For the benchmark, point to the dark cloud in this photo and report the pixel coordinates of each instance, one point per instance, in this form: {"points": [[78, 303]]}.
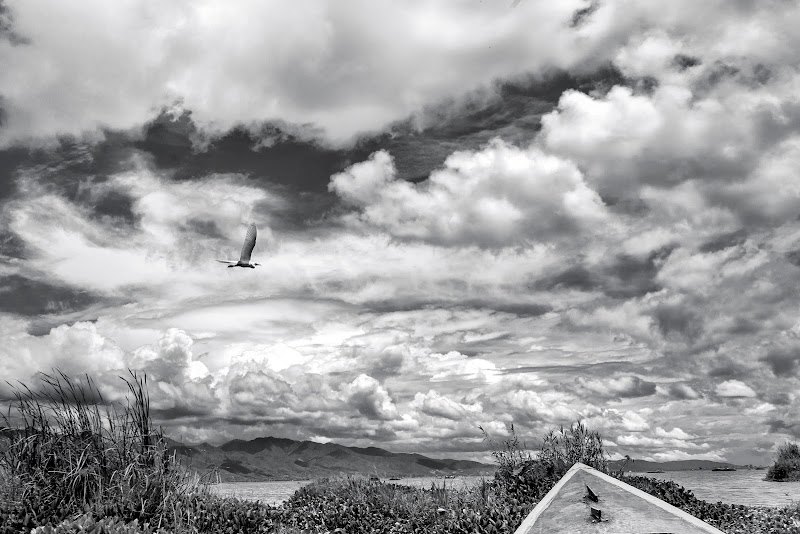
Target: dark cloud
{"points": [[637, 388], [178, 412], [11, 245], [678, 321], [387, 363], [783, 361], [793, 256], [630, 386], [576, 277], [74, 170], [723, 241], [512, 109], [115, 204], [683, 62], [743, 326], [7, 31], [25, 296], [630, 276], [780, 426], [718, 72], [582, 15], [295, 163], [10, 160], [624, 277], [778, 398], [726, 367], [682, 392]]}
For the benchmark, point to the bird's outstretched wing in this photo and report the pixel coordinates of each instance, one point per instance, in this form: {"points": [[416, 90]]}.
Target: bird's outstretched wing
{"points": [[249, 244], [226, 261]]}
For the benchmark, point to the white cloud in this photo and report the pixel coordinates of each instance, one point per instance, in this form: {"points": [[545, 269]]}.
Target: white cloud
{"points": [[675, 433], [170, 359], [611, 420], [677, 455], [454, 365], [437, 405], [343, 67], [75, 350], [498, 196], [734, 388]]}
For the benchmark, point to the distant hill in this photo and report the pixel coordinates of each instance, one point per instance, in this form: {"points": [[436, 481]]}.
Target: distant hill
{"points": [[643, 466], [271, 458]]}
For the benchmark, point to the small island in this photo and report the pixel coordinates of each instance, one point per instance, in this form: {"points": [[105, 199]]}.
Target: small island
{"points": [[787, 467]]}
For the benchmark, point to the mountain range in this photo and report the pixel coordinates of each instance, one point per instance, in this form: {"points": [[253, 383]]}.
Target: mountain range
{"points": [[271, 458]]}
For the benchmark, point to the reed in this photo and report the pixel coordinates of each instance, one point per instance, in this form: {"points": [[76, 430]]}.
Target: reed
{"points": [[65, 451]]}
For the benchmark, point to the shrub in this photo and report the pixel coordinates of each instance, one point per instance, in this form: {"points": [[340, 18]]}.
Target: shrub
{"points": [[528, 478], [787, 465], [65, 452]]}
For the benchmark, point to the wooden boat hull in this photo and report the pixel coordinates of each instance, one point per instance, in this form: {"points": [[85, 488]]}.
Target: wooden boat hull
{"points": [[619, 508]]}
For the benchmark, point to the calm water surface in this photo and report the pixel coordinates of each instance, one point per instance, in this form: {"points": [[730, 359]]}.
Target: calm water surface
{"points": [[737, 487]]}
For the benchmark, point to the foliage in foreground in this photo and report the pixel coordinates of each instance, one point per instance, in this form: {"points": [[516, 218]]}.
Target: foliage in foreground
{"points": [[787, 466], [525, 476], [528, 477], [68, 466], [64, 452]]}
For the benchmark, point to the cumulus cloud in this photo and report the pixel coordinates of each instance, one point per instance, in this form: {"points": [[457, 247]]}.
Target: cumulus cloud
{"points": [[499, 196], [370, 398], [434, 404], [734, 388], [170, 360], [75, 350]]}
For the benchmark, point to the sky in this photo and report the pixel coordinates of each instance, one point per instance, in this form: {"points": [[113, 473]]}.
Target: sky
{"points": [[470, 215]]}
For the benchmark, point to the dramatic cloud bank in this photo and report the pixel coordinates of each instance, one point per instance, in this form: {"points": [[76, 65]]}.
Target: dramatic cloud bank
{"points": [[469, 216]]}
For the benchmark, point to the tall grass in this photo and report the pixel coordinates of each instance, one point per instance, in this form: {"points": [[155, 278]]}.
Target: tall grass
{"points": [[563, 448], [65, 452]]}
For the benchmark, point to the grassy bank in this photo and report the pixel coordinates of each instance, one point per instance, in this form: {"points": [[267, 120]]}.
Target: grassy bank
{"points": [[70, 462]]}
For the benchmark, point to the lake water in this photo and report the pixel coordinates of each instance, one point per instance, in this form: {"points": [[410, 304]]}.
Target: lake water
{"points": [[737, 487]]}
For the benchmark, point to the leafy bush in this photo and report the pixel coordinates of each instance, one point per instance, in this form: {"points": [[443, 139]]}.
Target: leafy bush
{"points": [[787, 465], [356, 505], [86, 523], [528, 478]]}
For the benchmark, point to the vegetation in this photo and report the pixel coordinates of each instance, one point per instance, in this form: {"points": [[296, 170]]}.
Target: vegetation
{"points": [[71, 463], [787, 466], [529, 477], [64, 452]]}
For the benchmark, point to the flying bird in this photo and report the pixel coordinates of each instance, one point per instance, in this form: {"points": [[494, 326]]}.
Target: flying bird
{"points": [[247, 250]]}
